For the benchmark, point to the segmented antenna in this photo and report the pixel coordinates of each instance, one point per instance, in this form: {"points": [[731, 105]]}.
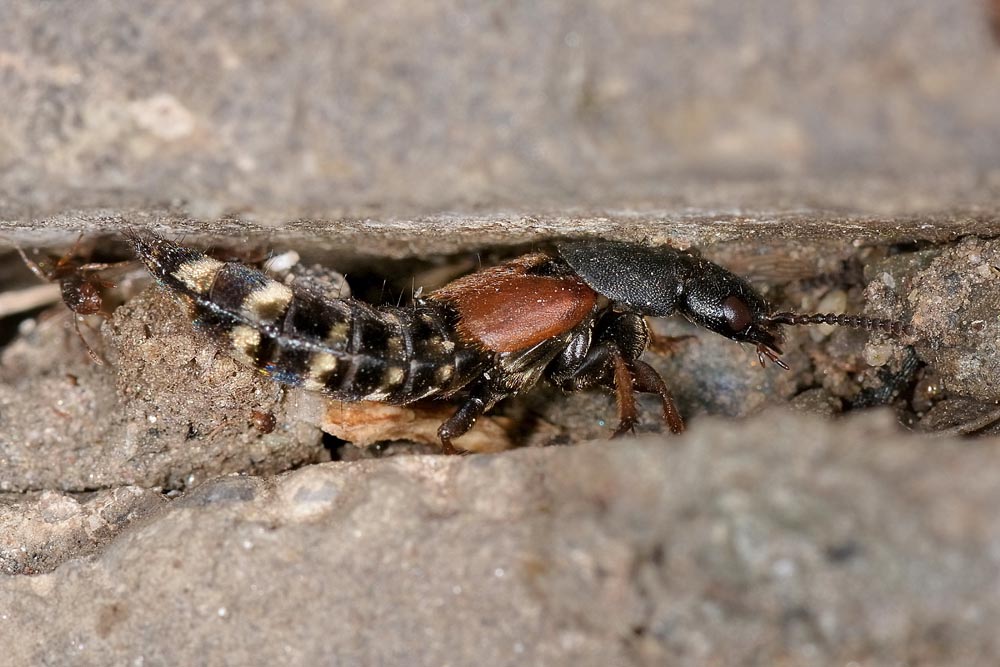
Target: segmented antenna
{"points": [[892, 327]]}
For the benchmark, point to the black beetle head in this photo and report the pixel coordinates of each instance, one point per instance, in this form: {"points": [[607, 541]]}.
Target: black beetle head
{"points": [[661, 281], [726, 304]]}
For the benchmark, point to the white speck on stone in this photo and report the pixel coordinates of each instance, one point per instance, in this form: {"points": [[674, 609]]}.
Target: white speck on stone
{"points": [[834, 301], [888, 280], [784, 568], [247, 544], [151, 419], [570, 640], [245, 163], [456, 589], [163, 116], [309, 493], [498, 573], [282, 262], [223, 612], [877, 355]]}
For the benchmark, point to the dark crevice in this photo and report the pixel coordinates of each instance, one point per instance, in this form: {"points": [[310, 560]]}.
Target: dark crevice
{"points": [[335, 446]]}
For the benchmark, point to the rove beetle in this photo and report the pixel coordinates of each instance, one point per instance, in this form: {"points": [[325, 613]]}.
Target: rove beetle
{"points": [[575, 317]]}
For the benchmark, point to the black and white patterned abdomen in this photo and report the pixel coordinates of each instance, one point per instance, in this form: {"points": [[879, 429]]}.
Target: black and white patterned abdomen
{"points": [[341, 347]]}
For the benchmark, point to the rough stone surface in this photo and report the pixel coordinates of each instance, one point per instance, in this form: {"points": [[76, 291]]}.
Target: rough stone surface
{"points": [[166, 410], [721, 547], [950, 295], [955, 303], [425, 104], [503, 123], [41, 530]]}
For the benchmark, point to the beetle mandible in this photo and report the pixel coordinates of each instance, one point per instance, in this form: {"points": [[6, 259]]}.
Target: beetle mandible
{"points": [[575, 317]]}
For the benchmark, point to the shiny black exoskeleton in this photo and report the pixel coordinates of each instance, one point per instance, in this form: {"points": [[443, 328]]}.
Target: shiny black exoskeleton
{"points": [[662, 281]]}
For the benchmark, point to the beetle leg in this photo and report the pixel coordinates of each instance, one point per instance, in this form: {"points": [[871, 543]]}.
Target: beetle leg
{"points": [[606, 366], [66, 261], [93, 355], [595, 371], [463, 419], [624, 381], [33, 265], [572, 358], [647, 380], [94, 267], [628, 331]]}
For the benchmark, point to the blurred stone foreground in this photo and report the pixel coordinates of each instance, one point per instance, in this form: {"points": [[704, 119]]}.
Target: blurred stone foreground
{"points": [[400, 129]]}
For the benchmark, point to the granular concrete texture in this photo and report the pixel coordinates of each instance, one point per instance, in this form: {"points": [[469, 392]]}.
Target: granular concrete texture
{"points": [[517, 120], [950, 296], [955, 309], [166, 410], [748, 546], [42, 530], [317, 106]]}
